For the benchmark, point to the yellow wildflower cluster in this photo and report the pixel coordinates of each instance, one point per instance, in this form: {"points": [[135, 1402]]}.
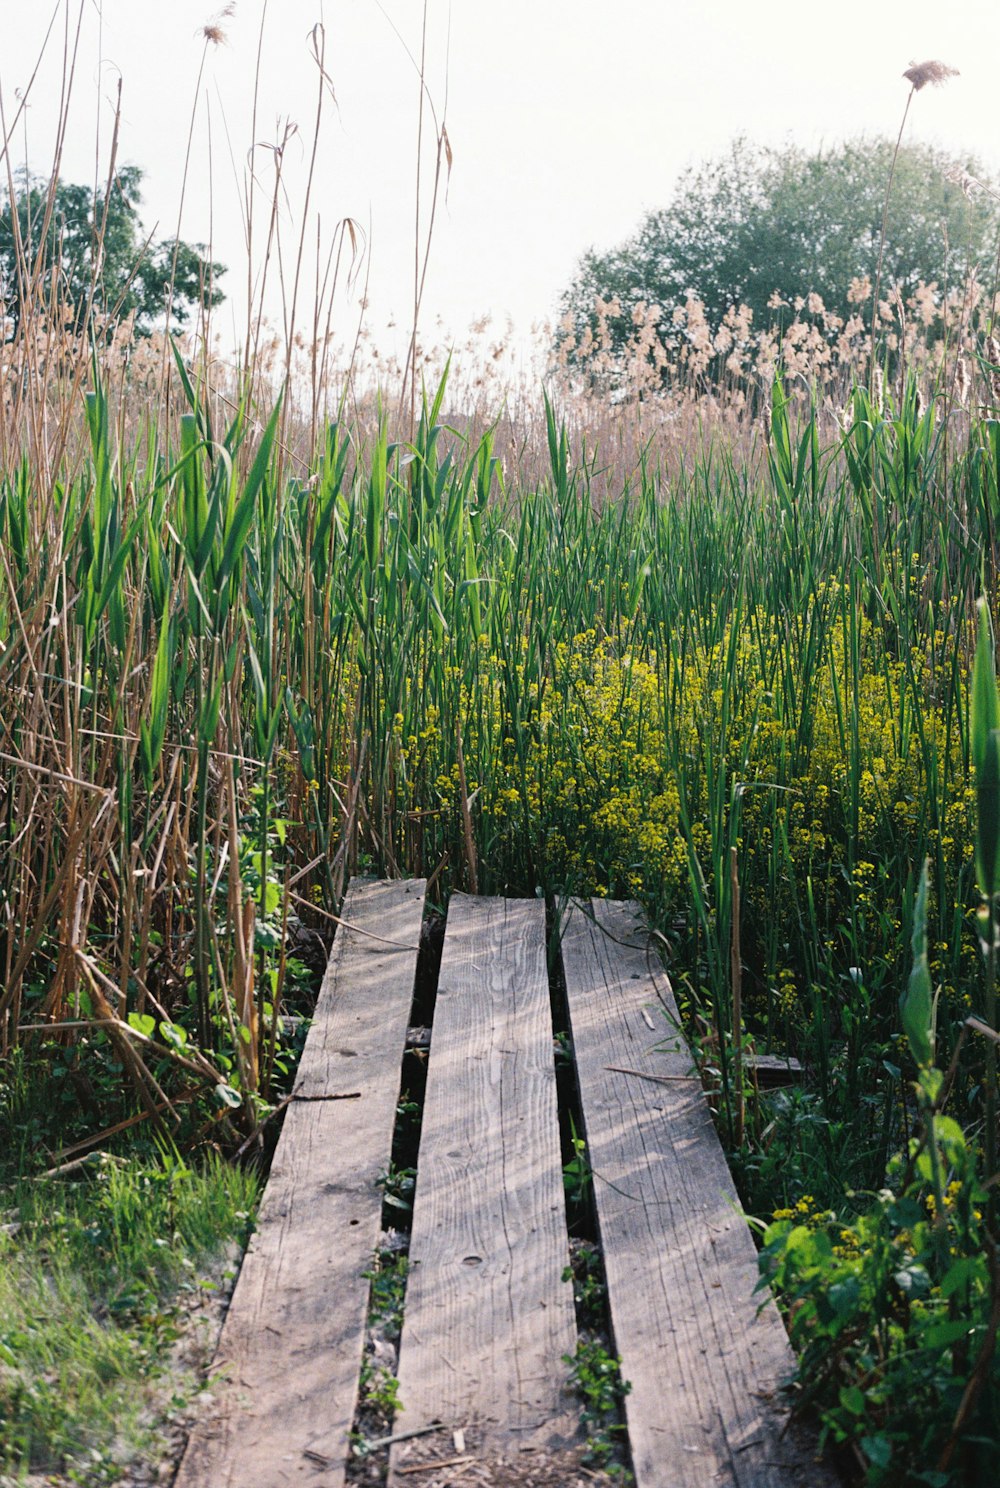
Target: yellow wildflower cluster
{"points": [[804, 1212], [610, 769]]}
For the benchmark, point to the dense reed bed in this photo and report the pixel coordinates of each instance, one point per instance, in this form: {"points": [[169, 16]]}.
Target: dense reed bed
{"points": [[699, 631], [227, 685], [230, 680]]}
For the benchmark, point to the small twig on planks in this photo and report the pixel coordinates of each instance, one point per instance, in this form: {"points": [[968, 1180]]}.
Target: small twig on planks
{"points": [[418, 1467], [261, 1125], [348, 925], [618, 1069], [400, 1436]]}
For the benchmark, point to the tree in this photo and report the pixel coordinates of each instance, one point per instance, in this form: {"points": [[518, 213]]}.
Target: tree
{"points": [[65, 247], [763, 225]]}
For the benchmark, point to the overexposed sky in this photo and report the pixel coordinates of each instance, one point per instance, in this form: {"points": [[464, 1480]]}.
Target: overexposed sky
{"points": [[567, 118]]}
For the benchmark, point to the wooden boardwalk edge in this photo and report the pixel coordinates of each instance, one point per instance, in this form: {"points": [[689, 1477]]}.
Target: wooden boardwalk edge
{"points": [[289, 1357], [704, 1360]]}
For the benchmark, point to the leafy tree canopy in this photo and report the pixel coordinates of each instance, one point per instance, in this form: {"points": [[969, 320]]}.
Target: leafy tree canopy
{"points": [[60, 246], [761, 224]]}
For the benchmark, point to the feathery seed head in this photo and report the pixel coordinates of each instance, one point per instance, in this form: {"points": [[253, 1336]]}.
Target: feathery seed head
{"points": [[993, 357], [959, 176], [919, 74], [962, 380], [212, 31]]}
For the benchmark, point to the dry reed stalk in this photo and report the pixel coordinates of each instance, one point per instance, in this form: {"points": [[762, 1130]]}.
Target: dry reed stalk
{"points": [[242, 919], [918, 74], [736, 974], [144, 1083], [467, 828]]}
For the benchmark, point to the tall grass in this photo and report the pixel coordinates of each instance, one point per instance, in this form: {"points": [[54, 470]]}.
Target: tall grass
{"points": [[90, 1317], [228, 684], [710, 648]]}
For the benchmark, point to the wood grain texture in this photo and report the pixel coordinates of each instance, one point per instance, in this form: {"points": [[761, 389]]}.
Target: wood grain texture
{"points": [[289, 1356], [373, 952], [487, 1317], [704, 1366]]}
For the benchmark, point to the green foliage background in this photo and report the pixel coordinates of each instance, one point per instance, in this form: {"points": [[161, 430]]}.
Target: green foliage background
{"points": [[760, 220], [49, 241]]}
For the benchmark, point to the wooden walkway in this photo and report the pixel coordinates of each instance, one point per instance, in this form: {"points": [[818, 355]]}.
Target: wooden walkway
{"points": [[488, 1319]]}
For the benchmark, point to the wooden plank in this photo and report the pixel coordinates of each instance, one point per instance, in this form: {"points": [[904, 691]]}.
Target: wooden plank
{"points": [[487, 1317], [290, 1351], [374, 952], [681, 1265]]}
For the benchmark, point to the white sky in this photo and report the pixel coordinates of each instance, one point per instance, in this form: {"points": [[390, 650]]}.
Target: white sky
{"points": [[567, 118]]}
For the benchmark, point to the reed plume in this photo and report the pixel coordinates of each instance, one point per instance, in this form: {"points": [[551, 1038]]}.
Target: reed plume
{"points": [[918, 75]]}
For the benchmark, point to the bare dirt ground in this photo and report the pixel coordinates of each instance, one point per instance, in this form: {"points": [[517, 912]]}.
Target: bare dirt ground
{"points": [[453, 1461]]}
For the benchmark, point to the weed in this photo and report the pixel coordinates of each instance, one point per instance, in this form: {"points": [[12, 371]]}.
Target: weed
{"points": [[397, 1185], [577, 1176], [378, 1400], [589, 1289], [90, 1276], [596, 1376]]}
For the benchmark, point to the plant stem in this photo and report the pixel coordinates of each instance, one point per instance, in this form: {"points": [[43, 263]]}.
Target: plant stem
{"points": [[881, 243]]}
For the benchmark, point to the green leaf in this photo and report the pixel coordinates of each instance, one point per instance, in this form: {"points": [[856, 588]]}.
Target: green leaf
{"points": [[174, 1034], [208, 719], [142, 1023], [988, 815], [151, 735], [913, 1280], [878, 1450], [239, 528], [959, 1273], [917, 1002], [943, 1334], [844, 1296], [985, 702], [853, 1400]]}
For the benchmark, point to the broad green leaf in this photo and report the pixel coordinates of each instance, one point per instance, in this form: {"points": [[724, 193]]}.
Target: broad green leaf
{"points": [[985, 700], [916, 1004], [988, 816]]}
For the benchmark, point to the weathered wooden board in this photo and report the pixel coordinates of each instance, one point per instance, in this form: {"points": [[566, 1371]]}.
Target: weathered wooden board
{"points": [[374, 952], [289, 1357], [704, 1365], [487, 1317]]}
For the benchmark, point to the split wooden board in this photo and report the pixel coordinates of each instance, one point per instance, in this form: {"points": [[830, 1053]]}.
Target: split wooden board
{"points": [[703, 1359], [290, 1353], [487, 1317]]}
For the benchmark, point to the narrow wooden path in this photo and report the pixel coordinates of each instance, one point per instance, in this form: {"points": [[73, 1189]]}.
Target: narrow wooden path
{"points": [[289, 1358], [488, 1317], [488, 1320]]}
